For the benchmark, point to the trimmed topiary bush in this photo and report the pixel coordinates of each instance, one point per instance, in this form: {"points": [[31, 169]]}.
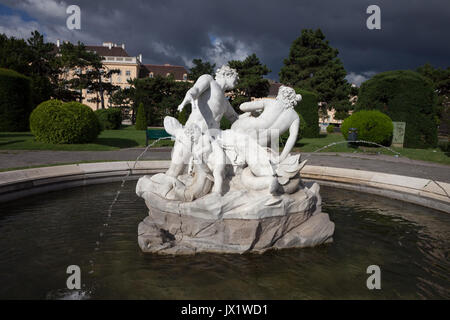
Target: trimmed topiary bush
{"points": [[56, 122], [404, 96], [110, 119], [330, 128], [141, 118], [309, 109], [372, 125], [15, 101]]}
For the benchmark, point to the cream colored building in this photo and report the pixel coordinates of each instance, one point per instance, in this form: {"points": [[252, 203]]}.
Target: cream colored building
{"points": [[115, 57]]}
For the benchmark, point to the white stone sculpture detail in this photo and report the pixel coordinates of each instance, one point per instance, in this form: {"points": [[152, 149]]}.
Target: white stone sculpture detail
{"points": [[219, 176]]}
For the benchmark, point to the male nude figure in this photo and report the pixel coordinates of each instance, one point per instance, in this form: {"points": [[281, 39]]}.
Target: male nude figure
{"points": [[278, 114], [208, 100], [209, 105]]}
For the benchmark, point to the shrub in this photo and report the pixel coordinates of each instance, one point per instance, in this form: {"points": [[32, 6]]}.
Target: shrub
{"points": [[372, 125], [309, 110], [141, 118], [110, 119], [15, 101], [404, 96], [330, 128], [56, 122]]}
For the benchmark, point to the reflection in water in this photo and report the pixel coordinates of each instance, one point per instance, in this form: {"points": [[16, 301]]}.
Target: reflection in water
{"points": [[42, 235]]}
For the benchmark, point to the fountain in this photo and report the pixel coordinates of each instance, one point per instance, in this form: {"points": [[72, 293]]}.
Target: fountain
{"points": [[228, 190]]}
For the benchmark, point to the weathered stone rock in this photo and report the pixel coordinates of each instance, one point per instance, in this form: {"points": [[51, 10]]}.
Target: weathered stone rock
{"points": [[238, 222]]}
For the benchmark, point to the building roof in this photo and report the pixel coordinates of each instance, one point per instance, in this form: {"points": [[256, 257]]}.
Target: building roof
{"points": [[177, 71], [105, 51], [273, 89]]}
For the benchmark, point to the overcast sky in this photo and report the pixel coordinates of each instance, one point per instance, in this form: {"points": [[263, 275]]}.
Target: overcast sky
{"points": [[412, 33]]}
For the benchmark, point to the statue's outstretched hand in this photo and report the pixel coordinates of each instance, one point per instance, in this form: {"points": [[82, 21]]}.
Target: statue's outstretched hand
{"points": [[180, 107]]}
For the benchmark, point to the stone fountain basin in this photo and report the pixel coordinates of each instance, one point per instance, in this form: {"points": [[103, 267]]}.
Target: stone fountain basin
{"points": [[238, 222]]}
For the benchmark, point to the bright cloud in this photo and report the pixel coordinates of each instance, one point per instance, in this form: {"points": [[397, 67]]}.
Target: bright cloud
{"points": [[357, 79]]}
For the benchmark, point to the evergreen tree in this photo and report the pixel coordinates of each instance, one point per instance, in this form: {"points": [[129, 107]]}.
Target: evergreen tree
{"points": [[313, 65], [441, 82], [200, 68], [251, 82], [141, 118]]}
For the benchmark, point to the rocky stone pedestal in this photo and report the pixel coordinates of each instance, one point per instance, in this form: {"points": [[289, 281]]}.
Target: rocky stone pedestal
{"points": [[238, 222]]}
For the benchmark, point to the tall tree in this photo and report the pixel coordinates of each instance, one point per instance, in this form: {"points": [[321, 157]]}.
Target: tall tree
{"points": [[441, 82], [159, 95], [313, 65], [251, 82], [200, 68]]}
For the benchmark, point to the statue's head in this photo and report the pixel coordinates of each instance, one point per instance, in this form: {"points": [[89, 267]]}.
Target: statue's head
{"points": [[227, 77], [288, 97]]}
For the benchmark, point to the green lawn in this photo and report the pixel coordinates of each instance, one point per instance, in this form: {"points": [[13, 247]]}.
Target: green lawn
{"points": [[127, 137], [313, 144]]}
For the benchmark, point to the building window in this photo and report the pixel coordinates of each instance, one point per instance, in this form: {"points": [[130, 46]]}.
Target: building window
{"points": [[120, 72], [119, 79], [185, 77], [151, 75], [128, 73], [168, 74]]}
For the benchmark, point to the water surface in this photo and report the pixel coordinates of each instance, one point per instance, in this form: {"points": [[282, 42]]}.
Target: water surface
{"points": [[44, 234]]}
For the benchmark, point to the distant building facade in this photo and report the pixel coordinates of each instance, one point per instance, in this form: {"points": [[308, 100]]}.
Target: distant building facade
{"points": [[115, 57], [179, 73]]}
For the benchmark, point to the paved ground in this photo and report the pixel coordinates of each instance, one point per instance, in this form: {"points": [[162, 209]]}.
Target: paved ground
{"points": [[378, 163]]}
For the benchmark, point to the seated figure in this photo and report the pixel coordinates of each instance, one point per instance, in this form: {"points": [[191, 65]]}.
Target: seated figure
{"points": [[277, 115]]}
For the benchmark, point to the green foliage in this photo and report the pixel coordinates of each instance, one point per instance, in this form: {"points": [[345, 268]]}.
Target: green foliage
{"points": [[313, 65], [330, 128], [160, 96], [33, 58], [251, 82], [225, 124], [372, 126], [200, 68], [54, 121], [184, 114], [406, 96], [141, 118], [441, 82], [309, 109], [15, 101], [110, 119]]}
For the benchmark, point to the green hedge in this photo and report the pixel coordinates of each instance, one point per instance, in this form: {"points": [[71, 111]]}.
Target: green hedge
{"points": [[15, 101], [110, 119], [372, 126], [330, 128], [56, 122], [309, 110], [404, 96]]}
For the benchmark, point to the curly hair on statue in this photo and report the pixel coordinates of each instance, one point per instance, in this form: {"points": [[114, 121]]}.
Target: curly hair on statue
{"points": [[226, 71], [288, 97]]}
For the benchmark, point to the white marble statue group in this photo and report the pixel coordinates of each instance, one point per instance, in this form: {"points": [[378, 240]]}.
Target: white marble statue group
{"points": [[217, 177], [249, 147]]}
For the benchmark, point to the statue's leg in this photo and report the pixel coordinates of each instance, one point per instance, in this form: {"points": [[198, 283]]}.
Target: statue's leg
{"points": [[180, 157]]}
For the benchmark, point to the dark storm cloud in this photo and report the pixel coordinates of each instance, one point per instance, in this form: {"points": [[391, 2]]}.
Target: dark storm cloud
{"points": [[413, 32]]}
